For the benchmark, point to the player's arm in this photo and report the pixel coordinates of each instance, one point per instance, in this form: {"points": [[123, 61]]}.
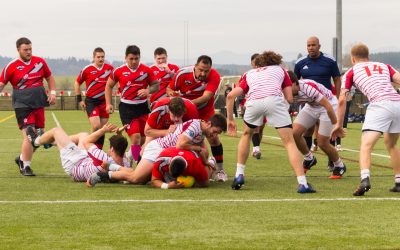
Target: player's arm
{"points": [[108, 94], [230, 102], [78, 95], [185, 143], [338, 129], [288, 94], [337, 83], [154, 86], [52, 87], [157, 183], [396, 79], [329, 109], [93, 137], [204, 98], [155, 133]]}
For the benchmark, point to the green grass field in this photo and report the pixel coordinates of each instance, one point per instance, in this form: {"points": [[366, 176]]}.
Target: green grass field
{"points": [[50, 211]]}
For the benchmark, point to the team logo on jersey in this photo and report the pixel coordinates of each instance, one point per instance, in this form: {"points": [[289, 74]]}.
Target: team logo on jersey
{"points": [[141, 73], [125, 73], [180, 153], [305, 67], [20, 67], [191, 133], [25, 120], [93, 72], [187, 82], [156, 72]]}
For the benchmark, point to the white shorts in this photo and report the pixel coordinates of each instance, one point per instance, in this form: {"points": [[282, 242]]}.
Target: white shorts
{"points": [[274, 108], [309, 115], [383, 116], [152, 151], [70, 156]]}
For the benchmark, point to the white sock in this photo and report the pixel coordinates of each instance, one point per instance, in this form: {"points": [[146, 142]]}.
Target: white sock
{"points": [[397, 178], [114, 167], [256, 149], [36, 142], [110, 174], [302, 180], [338, 163], [27, 163], [365, 173], [309, 156], [239, 169]]}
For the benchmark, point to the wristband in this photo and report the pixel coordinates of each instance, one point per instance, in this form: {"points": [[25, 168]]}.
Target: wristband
{"points": [[164, 185], [52, 92], [78, 98]]}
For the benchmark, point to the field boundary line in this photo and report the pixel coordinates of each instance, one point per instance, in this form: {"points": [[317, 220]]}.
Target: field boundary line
{"points": [[201, 201], [56, 120], [7, 118]]}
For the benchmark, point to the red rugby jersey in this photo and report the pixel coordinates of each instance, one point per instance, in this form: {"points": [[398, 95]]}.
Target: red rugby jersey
{"points": [[164, 79], [96, 79]]}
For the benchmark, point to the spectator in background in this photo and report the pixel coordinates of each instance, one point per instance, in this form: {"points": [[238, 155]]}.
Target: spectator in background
{"points": [[26, 75]]}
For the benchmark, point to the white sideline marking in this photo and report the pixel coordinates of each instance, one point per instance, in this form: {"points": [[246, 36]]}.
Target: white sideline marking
{"points": [[197, 201], [344, 149], [56, 120]]}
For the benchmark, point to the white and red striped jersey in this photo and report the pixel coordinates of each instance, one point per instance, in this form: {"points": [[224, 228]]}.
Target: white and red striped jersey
{"points": [[96, 79], [312, 92], [191, 129], [91, 164], [263, 82], [373, 79]]}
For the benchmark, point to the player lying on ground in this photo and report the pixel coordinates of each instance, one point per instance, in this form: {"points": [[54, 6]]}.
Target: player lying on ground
{"points": [[80, 157]]}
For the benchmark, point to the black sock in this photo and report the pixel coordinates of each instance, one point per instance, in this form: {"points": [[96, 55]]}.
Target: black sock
{"points": [[256, 139], [100, 142], [308, 141], [339, 141], [218, 153], [315, 142], [332, 142]]}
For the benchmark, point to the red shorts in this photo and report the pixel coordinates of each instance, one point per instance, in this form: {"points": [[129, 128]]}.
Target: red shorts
{"points": [[137, 125], [28, 116], [95, 108]]}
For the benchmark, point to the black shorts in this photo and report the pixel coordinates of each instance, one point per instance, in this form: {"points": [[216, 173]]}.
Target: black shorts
{"points": [[127, 112]]}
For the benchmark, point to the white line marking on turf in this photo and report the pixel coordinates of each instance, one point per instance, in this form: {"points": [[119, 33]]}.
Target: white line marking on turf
{"points": [[56, 120], [344, 149], [198, 201]]}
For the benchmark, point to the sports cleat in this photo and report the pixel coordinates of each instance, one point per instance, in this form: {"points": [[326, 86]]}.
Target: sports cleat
{"points": [[40, 132], [365, 186], [307, 164], [221, 176], [338, 172], [257, 155], [27, 171], [31, 134], [330, 166], [396, 188], [93, 180], [304, 190], [19, 163], [238, 182]]}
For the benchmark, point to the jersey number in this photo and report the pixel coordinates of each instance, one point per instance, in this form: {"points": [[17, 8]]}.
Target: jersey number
{"points": [[376, 68]]}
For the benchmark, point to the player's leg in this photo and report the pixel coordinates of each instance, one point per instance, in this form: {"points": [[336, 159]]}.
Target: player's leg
{"points": [[217, 151], [256, 139], [394, 152], [53, 136], [78, 139]]}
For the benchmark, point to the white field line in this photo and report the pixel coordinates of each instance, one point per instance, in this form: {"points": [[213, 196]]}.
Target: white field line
{"points": [[344, 149], [199, 201], [56, 120]]}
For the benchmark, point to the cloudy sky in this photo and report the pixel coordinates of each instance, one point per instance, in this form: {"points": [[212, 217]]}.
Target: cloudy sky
{"points": [[66, 28]]}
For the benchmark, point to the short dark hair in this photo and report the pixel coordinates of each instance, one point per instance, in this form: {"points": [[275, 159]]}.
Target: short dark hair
{"points": [[119, 144], [177, 106], [219, 121], [132, 49], [293, 77], [204, 59], [177, 166], [98, 50], [254, 56], [22, 40], [160, 51]]}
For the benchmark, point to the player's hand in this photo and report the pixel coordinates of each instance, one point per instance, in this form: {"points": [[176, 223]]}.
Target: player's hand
{"points": [[51, 99], [337, 131], [109, 127], [174, 185], [232, 129], [171, 128], [110, 109], [120, 129], [143, 93], [83, 105]]}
